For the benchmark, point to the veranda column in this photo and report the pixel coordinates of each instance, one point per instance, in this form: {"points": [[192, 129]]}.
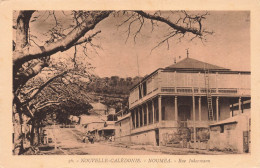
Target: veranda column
{"points": [[193, 108], [239, 105], [153, 110], [142, 115], [160, 108], [131, 122], [217, 110], [199, 108], [232, 113], [147, 114], [139, 120], [176, 108], [194, 120], [135, 116], [242, 106]]}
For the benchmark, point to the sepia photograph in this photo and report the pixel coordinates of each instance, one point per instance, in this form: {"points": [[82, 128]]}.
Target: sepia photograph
{"points": [[131, 82]]}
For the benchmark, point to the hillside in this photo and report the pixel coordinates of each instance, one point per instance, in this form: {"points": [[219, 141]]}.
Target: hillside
{"points": [[112, 91]]}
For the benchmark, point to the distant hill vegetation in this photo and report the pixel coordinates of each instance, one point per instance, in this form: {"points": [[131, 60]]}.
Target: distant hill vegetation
{"points": [[112, 91], [113, 85]]}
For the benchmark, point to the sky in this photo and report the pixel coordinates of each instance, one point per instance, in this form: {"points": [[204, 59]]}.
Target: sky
{"points": [[228, 47]]}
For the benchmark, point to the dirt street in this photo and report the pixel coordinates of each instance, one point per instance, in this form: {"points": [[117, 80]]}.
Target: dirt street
{"points": [[69, 142]]}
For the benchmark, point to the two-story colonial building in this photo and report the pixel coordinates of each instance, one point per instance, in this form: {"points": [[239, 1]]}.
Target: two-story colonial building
{"points": [[172, 103]]}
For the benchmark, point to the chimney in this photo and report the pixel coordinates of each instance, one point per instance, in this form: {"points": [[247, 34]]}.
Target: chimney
{"points": [[187, 52]]}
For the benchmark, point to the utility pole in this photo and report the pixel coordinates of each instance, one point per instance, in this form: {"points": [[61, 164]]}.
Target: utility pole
{"points": [[194, 122]]}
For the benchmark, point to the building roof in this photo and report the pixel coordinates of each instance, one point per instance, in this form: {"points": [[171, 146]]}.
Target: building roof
{"points": [[193, 64], [110, 125], [98, 106], [231, 120], [224, 122], [86, 119], [124, 117]]}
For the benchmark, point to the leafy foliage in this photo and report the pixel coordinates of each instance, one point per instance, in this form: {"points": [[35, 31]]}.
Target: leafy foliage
{"points": [[113, 85]]}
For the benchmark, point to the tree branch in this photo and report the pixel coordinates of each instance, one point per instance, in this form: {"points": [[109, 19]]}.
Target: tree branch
{"points": [[22, 77], [22, 29], [171, 24], [49, 103], [29, 53], [36, 92], [87, 39]]}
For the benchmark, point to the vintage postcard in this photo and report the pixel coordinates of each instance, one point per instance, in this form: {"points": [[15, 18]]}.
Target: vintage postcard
{"points": [[98, 84]]}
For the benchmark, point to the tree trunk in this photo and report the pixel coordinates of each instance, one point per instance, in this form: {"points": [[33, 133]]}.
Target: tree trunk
{"points": [[38, 135], [18, 135], [35, 140], [22, 132], [32, 133], [21, 41]]}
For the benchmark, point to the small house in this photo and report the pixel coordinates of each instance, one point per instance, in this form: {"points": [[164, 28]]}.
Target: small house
{"points": [[98, 109]]}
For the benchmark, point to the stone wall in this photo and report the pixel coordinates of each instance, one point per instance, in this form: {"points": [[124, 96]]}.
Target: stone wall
{"points": [[125, 139], [144, 138], [123, 131], [229, 136], [168, 135]]}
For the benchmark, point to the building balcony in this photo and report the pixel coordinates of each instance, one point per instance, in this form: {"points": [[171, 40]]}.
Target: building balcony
{"points": [[188, 84]]}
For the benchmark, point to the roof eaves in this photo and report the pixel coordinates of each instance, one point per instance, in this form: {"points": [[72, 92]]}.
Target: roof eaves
{"points": [[145, 78], [223, 123]]}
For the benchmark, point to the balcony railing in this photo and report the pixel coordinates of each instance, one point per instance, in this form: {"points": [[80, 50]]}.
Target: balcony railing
{"points": [[189, 90]]}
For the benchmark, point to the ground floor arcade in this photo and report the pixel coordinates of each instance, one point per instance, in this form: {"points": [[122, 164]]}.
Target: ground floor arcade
{"points": [[166, 119]]}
